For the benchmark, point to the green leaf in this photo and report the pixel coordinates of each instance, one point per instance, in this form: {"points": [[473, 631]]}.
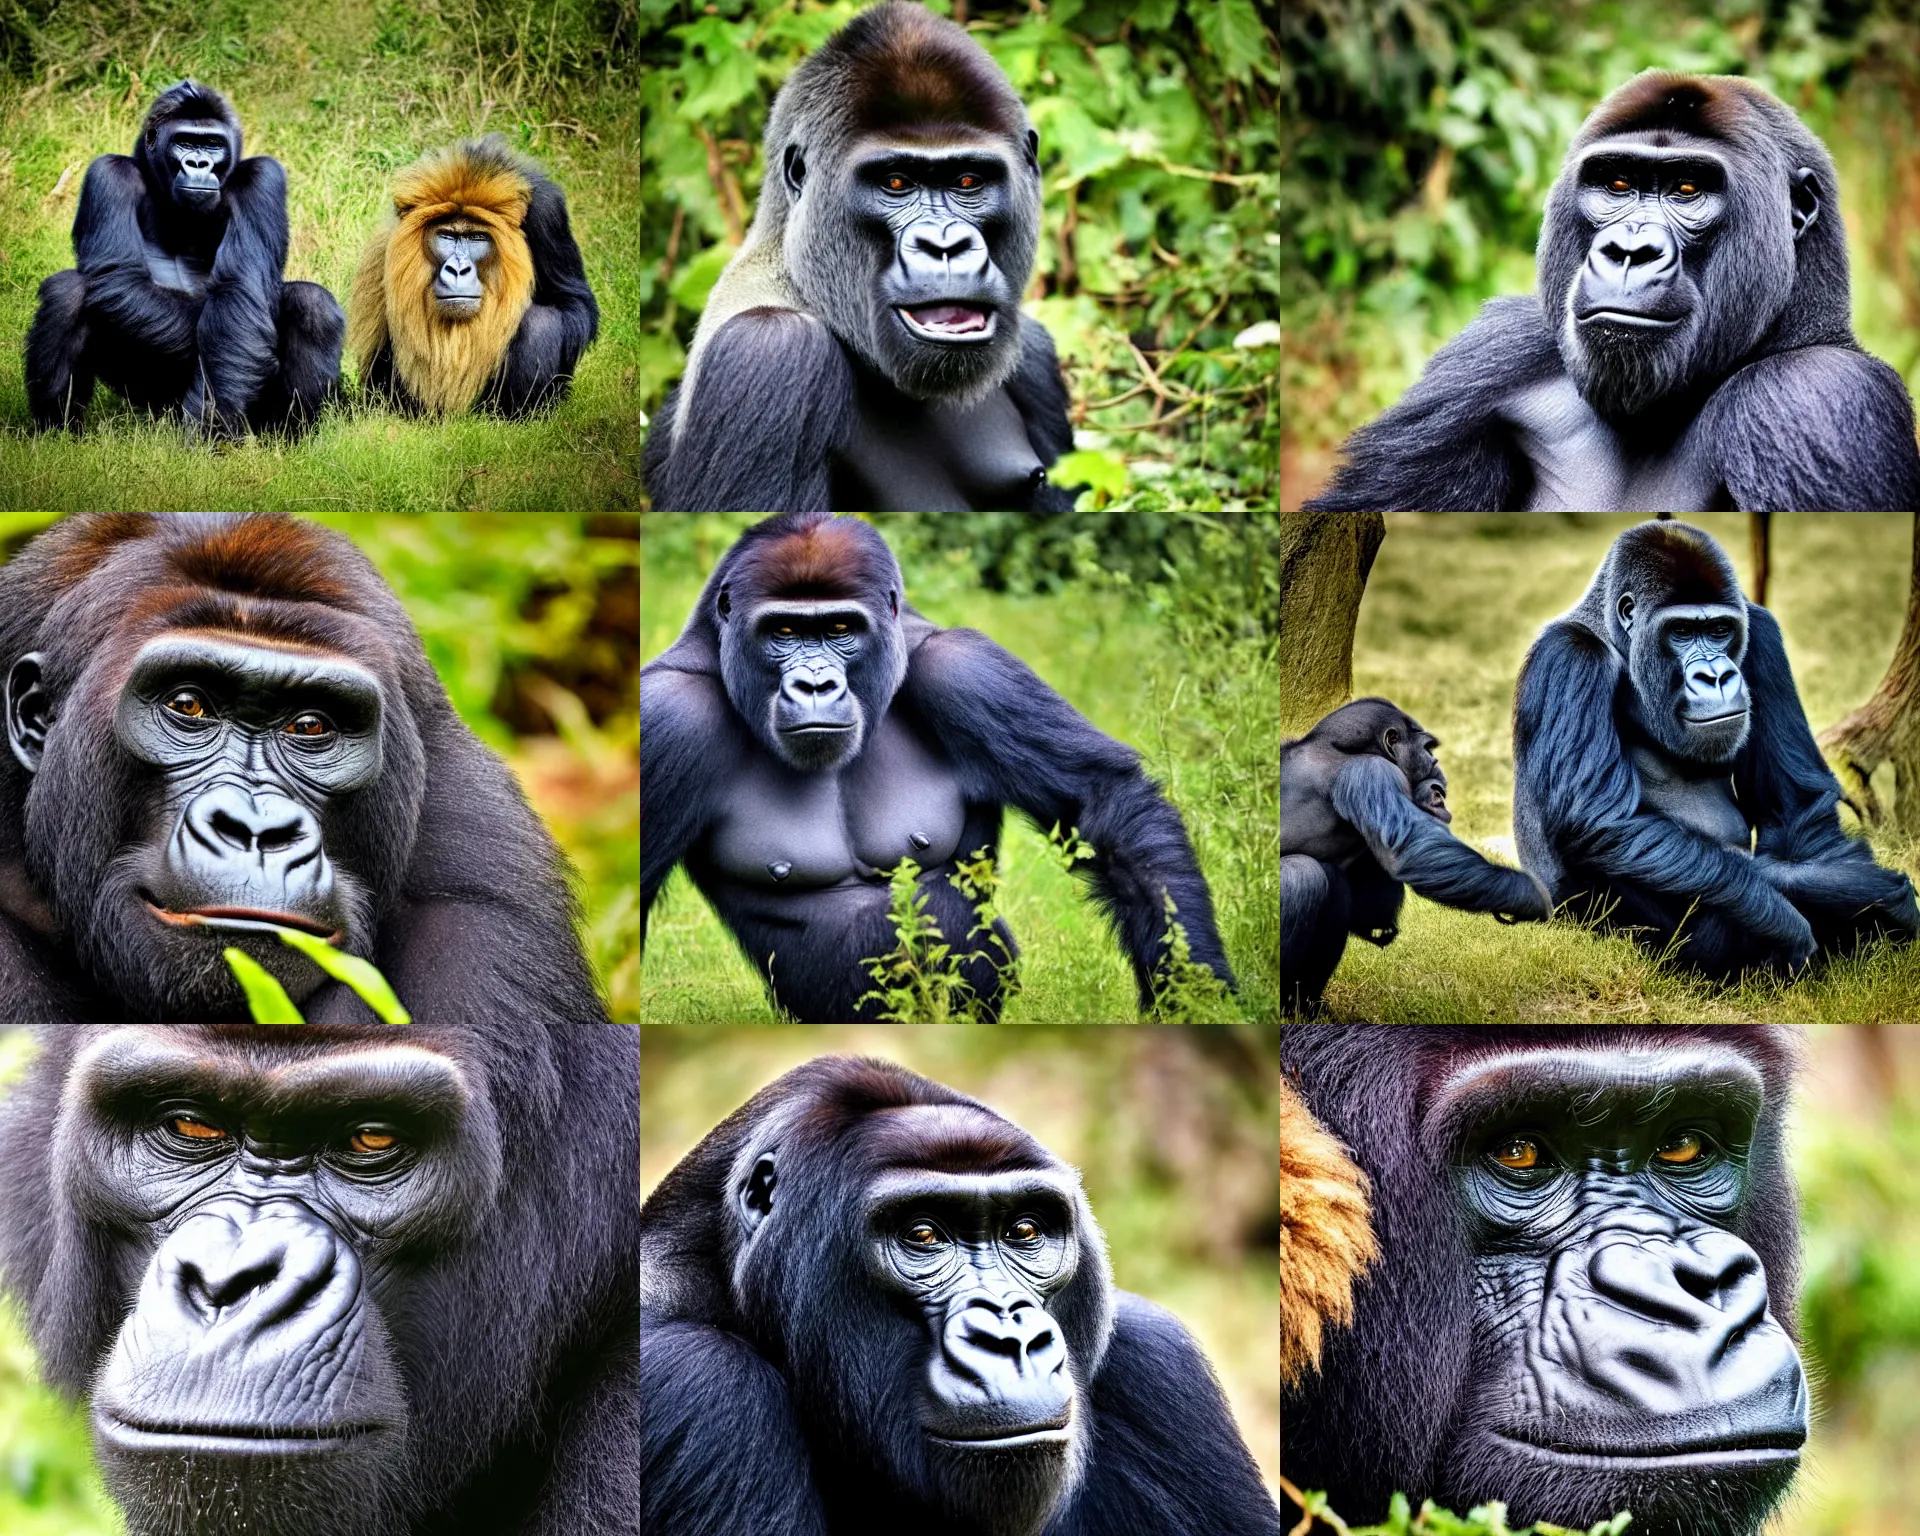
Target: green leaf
{"points": [[267, 1000], [1232, 32], [351, 969]]}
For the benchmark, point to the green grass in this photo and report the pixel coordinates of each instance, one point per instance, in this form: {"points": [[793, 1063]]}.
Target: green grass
{"points": [[343, 94], [1205, 719], [1453, 603]]}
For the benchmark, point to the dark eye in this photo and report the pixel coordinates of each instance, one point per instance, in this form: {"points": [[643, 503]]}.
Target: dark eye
{"points": [[785, 631], [1682, 1150], [1516, 1152], [1025, 1230], [308, 724], [837, 629], [188, 703], [371, 1141], [896, 183], [924, 1234], [967, 183], [192, 1129]]}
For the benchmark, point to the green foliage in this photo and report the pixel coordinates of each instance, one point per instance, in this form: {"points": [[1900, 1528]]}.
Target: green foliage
{"points": [[1184, 991], [1420, 137], [1488, 1519], [920, 980], [1158, 257], [343, 96], [267, 1000]]}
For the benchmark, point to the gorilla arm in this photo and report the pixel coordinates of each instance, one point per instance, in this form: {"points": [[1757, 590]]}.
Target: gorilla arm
{"points": [[1790, 795], [688, 742], [111, 254], [1013, 740], [1370, 793], [1569, 753], [773, 403], [1774, 426], [1446, 446], [563, 318], [238, 329], [1326, 1237]]}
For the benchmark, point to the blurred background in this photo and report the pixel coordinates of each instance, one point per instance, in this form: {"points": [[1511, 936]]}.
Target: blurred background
{"points": [[532, 622], [1157, 273], [1419, 137], [1175, 1132], [1161, 628]]}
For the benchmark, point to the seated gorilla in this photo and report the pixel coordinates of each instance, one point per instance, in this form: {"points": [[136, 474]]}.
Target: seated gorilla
{"points": [[1691, 347], [217, 721], [474, 294], [1326, 1237], [1363, 808], [1585, 1290], [342, 1282], [865, 349], [177, 297], [1666, 780], [871, 1304], [808, 731]]}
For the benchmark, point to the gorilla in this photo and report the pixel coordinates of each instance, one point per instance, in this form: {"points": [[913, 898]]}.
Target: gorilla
{"points": [[177, 297], [870, 1303], [1326, 1235], [473, 294], [1363, 814], [809, 730], [218, 721], [1691, 347], [1666, 781], [865, 349], [347, 1281], [1585, 1291]]}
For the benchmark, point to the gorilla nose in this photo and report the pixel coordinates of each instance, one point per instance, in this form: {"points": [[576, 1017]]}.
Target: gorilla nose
{"points": [[1003, 1356], [1650, 248], [219, 1261], [229, 820], [457, 268], [814, 688]]}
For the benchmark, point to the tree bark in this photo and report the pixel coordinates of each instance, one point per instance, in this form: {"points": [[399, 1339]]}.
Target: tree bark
{"points": [[1760, 545], [1886, 729], [1324, 561]]}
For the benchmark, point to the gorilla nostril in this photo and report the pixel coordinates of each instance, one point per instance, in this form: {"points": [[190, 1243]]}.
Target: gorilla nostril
{"points": [[230, 829]]}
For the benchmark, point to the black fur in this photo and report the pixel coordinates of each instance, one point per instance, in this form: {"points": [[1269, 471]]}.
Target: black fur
{"points": [[248, 351], [782, 1386], [1588, 826], [495, 1285]]}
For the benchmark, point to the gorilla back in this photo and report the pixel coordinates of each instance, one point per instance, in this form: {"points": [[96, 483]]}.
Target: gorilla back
{"points": [[1690, 348], [865, 349]]}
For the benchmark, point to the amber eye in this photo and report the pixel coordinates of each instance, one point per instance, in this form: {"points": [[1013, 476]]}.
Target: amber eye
{"points": [[967, 183], [1687, 1147], [1686, 189], [785, 631], [187, 703], [369, 1141], [1517, 1152], [924, 1234], [836, 629], [1025, 1230], [1619, 184], [196, 1130], [896, 183], [308, 724]]}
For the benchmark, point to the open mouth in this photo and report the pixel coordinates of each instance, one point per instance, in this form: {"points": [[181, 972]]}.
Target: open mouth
{"points": [[1628, 317], [242, 920], [950, 322]]}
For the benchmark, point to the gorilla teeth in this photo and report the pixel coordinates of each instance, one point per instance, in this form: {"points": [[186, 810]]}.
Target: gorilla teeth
{"points": [[950, 319]]}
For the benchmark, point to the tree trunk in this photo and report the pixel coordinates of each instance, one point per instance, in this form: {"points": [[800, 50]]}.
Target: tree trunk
{"points": [[1760, 543], [1324, 561], [1886, 729]]}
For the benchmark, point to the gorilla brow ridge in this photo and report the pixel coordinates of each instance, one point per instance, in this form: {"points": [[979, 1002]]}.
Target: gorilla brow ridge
{"points": [[950, 1138]]}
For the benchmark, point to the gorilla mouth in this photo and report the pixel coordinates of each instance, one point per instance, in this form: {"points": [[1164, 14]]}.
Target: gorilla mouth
{"points": [[1762, 1448], [233, 1439], [1039, 1435], [950, 322], [1629, 317], [815, 727], [242, 920]]}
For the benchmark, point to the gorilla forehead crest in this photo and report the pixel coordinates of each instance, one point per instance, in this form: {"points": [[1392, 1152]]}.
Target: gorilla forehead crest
{"points": [[813, 554], [188, 99], [906, 68]]}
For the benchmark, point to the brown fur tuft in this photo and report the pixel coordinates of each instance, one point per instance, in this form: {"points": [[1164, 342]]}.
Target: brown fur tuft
{"points": [[825, 560], [910, 70], [445, 365], [1326, 1239]]}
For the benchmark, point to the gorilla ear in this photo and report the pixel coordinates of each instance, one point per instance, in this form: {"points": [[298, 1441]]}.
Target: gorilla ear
{"points": [[725, 604], [1033, 149], [756, 1199], [893, 602], [1804, 194], [29, 711], [1390, 738], [1625, 609], [793, 166]]}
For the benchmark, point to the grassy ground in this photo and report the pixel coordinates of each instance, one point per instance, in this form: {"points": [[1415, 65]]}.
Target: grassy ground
{"points": [[343, 94], [1207, 724], [1453, 603]]}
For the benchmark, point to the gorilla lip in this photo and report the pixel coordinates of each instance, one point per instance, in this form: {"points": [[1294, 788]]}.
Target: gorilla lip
{"points": [[1630, 317], [950, 322], [1040, 1435], [244, 920]]}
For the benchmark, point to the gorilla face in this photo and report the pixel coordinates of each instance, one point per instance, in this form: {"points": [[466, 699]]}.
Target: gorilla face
{"points": [[945, 240], [1690, 693], [196, 155], [803, 669], [458, 248], [237, 758], [1668, 258]]}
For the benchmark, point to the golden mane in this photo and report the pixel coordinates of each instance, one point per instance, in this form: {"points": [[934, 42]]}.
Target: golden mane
{"points": [[443, 364]]}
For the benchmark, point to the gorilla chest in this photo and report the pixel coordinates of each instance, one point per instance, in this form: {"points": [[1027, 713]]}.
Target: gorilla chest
{"points": [[908, 456], [1581, 464], [186, 273], [1703, 805], [785, 830]]}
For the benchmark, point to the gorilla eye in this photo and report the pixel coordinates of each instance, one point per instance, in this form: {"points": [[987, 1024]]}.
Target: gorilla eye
{"points": [[837, 629], [1025, 1230], [1517, 1152], [785, 631], [195, 1130], [188, 703], [1619, 184], [924, 1234], [967, 183], [308, 724], [1683, 1149], [371, 1141], [1686, 189], [895, 183]]}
